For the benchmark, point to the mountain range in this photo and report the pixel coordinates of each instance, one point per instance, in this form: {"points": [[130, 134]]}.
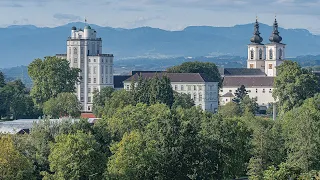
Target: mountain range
{"points": [[21, 44]]}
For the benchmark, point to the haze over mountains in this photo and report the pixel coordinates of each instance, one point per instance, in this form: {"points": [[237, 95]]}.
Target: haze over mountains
{"points": [[22, 44]]}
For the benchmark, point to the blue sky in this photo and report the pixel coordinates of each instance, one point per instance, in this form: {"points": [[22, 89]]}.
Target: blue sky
{"points": [[165, 14]]}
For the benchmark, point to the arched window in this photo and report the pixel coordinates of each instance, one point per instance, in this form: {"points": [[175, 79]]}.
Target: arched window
{"points": [[260, 54], [251, 54], [270, 54], [280, 53], [75, 51]]}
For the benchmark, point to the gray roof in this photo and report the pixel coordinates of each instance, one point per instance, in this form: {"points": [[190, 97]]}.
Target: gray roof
{"points": [[174, 77], [118, 80], [242, 72], [229, 81], [228, 94]]}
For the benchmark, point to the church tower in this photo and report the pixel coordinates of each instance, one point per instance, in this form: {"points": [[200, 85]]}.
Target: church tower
{"points": [[256, 50], [274, 51]]}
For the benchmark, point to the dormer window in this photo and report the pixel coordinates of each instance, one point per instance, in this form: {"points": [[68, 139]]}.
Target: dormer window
{"points": [[270, 54], [251, 54]]}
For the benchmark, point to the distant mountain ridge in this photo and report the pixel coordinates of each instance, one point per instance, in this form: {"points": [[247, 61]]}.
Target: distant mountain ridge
{"points": [[22, 44]]}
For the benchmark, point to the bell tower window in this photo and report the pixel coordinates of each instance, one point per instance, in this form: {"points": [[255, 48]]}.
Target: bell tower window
{"points": [[280, 53], [270, 54], [251, 54], [260, 54]]}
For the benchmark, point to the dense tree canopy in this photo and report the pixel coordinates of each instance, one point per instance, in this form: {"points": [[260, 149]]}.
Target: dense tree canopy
{"points": [[293, 85], [51, 76], [2, 80], [65, 104], [240, 93], [100, 98], [207, 68]]}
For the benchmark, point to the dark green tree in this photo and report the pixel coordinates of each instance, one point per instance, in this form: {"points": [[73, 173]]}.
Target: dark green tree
{"points": [[182, 100], [2, 80], [99, 100], [210, 70], [240, 93], [65, 104], [249, 105], [293, 85], [50, 77], [231, 109]]}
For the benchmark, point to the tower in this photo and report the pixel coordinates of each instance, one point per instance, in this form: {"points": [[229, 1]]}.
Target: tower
{"points": [[256, 50], [84, 51], [274, 51]]}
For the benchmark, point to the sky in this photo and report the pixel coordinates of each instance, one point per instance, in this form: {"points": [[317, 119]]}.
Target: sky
{"points": [[164, 14]]}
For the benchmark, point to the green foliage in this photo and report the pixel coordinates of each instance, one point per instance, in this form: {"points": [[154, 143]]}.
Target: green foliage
{"points": [[182, 100], [302, 134], [50, 77], [99, 100], [293, 85], [209, 69], [284, 171], [2, 80], [13, 165], [249, 105], [240, 93], [65, 104], [230, 110], [76, 156]]}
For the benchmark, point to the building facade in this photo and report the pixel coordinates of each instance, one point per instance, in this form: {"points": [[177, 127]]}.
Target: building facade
{"points": [[261, 70], [84, 51], [203, 92]]}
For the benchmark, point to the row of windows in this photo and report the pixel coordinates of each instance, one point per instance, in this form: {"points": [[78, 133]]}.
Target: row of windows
{"points": [[270, 54], [95, 69], [249, 91], [75, 50], [182, 88], [75, 60], [102, 80]]}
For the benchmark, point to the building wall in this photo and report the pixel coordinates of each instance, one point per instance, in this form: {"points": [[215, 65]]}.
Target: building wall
{"points": [[263, 94], [204, 94], [256, 61], [225, 100], [278, 55]]}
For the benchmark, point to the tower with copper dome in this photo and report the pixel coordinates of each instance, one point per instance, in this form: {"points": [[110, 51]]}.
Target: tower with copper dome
{"points": [[256, 50], [275, 51]]}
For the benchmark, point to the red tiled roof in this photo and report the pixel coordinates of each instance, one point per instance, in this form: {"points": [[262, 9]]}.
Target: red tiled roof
{"points": [[88, 115]]}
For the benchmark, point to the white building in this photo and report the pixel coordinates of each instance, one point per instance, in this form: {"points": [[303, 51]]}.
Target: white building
{"points": [[84, 51], [261, 69], [203, 92]]}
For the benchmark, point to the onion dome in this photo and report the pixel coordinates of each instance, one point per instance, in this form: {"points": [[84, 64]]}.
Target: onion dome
{"points": [[256, 38], [87, 27], [275, 37], [73, 28]]}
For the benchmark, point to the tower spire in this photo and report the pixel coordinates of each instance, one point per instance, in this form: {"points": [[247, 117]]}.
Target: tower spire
{"points": [[275, 37], [256, 38]]}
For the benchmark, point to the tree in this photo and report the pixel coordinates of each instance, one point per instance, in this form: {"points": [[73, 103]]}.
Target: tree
{"points": [[50, 77], [240, 93], [65, 104], [293, 85], [76, 156], [230, 110], [249, 105], [2, 80], [13, 165], [182, 100], [210, 70], [100, 98]]}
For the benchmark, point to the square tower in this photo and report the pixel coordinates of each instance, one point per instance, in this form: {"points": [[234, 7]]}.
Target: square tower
{"points": [[84, 51]]}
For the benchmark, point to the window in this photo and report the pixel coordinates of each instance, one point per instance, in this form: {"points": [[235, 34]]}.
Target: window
{"points": [[251, 66], [230, 91], [270, 54], [251, 54], [102, 80], [94, 89], [89, 80], [75, 60], [182, 88], [189, 88], [175, 87], [102, 60], [128, 87], [94, 80], [82, 60], [280, 53], [260, 54], [221, 90], [200, 97], [89, 90], [75, 51], [194, 97], [195, 88], [81, 99], [88, 53], [249, 91], [101, 69], [256, 90], [94, 70], [89, 70], [89, 60], [89, 99], [81, 90], [200, 88], [94, 60], [263, 91], [270, 66], [81, 50], [89, 108], [97, 51]]}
